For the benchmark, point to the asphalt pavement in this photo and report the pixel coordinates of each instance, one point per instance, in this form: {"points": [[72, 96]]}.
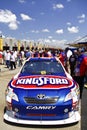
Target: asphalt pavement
{"points": [[3, 68]]}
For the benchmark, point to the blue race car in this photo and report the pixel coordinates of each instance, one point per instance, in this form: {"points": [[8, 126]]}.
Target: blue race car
{"points": [[42, 93]]}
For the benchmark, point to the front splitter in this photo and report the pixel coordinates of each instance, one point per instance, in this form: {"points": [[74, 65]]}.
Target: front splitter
{"points": [[8, 116]]}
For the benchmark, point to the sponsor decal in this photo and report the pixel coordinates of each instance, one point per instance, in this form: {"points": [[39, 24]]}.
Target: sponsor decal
{"points": [[42, 81], [38, 81], [41, 107]]}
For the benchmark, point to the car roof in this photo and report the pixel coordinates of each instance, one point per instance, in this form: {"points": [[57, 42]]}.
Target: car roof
{"points": [[43, 58]]}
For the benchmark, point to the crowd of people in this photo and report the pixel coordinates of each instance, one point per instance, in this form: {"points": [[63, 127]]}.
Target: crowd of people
{"points": [[74, 61], [78, 67]]}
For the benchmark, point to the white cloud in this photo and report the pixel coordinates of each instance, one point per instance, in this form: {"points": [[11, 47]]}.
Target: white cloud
{"points": [[22, 1], [6, 16], [58, 6], [35, 31], [33, 2], [68, 23], [13, 26], [59, 31], [68, 0], [45, 30], [73, 29], [61, 43], [25, 17], [50, 37], [54, 42], [47, 40], [81, 18], [0, 32]]}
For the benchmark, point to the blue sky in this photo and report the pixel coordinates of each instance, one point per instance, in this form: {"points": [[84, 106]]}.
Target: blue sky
{"points": [[49, 21]]}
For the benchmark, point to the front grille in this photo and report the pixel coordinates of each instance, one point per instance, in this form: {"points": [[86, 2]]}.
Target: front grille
{"points": [[48, 100]]}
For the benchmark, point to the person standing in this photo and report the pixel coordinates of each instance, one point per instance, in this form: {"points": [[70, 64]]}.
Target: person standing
{"points": [[19, 58], [72, 62], [7, 58], [12, 60], [80, 70]]}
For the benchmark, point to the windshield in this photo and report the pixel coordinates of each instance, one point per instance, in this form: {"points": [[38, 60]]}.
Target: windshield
{"points": [[42, 67]]}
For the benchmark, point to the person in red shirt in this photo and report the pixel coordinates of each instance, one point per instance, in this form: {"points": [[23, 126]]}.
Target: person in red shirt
{"points": [[62, 57], [81, 70], [83, 66]]}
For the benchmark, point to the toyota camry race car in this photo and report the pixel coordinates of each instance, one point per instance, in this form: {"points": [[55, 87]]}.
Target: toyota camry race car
{"points": [[42, 93]]}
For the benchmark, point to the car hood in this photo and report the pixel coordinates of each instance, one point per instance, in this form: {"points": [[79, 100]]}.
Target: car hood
{"points": [[41, 82]]}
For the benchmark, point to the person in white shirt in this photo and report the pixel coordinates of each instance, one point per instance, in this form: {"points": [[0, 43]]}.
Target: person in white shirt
{"points": [[7, 58], [68, 55], [12, 60]]}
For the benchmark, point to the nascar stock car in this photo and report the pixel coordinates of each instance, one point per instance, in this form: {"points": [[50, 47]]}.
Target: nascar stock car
{"points": [[42, 93]]}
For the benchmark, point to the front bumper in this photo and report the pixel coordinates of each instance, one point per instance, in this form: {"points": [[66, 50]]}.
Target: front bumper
{"points": [[9, 116]]}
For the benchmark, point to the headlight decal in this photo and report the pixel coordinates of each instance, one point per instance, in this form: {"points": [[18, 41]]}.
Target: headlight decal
{"points": [[73, 95], [68, 97], [10, 95]]}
